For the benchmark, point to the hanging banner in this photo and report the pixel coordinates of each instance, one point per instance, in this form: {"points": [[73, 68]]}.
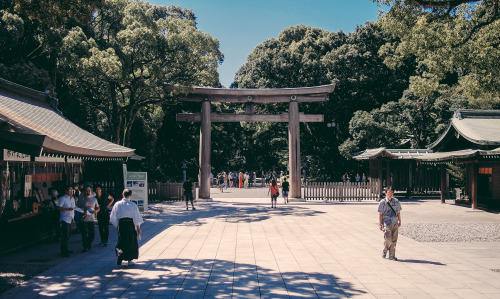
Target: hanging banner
{"points": [[9, 155], [138, 183]]}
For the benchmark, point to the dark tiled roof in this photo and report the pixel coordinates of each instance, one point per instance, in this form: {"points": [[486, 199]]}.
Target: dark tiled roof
{"points": [[30, 119]]}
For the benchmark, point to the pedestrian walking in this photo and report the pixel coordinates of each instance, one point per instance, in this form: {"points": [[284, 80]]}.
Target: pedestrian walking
{"points": [[225, 180], [220, 179], [188, 187], [66, 206], [390, 220], [90, 207], [285, 187], [246, 178], [126, 218], [274, 190], [105, 202]]}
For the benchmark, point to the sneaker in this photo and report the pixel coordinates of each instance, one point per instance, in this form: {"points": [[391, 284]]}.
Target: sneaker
{"points": [[393, 258], [194, 208], [384, 253], [187, 209]]}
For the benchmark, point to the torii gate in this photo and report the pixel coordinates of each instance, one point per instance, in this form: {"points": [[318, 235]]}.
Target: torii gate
{"points": [[292, 96]]}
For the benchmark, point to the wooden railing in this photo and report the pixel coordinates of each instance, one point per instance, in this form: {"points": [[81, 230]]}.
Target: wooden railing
{"points": [[166, 191], [342, 191]]}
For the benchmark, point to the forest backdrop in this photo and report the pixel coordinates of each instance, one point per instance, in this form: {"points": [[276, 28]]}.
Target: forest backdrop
{"points": [[396, 79]]}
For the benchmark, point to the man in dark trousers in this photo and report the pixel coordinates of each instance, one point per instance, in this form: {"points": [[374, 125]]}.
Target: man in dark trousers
{"points": [[66, 206], [188, 193], [105, 202], [285, 186]]}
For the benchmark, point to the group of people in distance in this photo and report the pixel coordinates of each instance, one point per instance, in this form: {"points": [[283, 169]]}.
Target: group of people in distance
{"points": [[225, 180], [123, 214], [346, 178]]}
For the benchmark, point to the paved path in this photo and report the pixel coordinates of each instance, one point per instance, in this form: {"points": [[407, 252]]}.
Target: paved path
{"points": [[239, 247]]}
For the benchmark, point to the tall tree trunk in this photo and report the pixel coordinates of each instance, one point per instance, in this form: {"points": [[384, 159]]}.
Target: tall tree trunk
{"points": [[131, 120]]}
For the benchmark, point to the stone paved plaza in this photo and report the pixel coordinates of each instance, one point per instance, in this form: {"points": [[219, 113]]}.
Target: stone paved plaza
{"points": [[238, 247]]}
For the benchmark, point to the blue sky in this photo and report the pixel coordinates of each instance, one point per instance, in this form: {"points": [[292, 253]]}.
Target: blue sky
{"points": [[240, 25]]}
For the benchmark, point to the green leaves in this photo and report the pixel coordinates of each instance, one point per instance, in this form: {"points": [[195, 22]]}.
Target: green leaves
{"points": [[131, 50]]}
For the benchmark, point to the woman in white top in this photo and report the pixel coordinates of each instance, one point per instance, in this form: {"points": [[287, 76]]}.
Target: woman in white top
{"points": [[126, 218]]}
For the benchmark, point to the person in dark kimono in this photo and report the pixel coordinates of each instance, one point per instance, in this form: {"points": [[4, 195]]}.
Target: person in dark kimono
{"points": [[126, 218]]}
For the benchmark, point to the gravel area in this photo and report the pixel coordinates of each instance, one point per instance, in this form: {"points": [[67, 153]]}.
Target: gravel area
{"points": [[452, 232], [12, 275]]}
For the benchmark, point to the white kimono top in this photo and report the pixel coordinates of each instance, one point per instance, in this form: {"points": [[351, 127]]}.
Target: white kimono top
{"points": [[125, 209]]}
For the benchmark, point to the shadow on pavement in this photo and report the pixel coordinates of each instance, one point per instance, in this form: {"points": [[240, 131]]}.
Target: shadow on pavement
{"points": [[181, 278], [421, 262]]}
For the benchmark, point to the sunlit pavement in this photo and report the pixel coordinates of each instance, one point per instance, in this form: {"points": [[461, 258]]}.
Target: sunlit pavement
{"points": [[237, 246]]}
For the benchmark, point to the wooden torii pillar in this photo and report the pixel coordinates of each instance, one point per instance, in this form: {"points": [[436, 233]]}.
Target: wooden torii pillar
{"points": [[292, 96]]}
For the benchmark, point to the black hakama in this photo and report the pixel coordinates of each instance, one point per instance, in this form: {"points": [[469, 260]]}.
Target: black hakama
{"points": [[127, 247]]}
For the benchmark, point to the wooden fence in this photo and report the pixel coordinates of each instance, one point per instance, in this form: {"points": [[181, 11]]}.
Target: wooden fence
{"points": [[342, 191], [166, 191]]}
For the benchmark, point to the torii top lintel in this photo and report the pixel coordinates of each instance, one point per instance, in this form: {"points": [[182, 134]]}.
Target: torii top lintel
{"points": [[245, 95]]}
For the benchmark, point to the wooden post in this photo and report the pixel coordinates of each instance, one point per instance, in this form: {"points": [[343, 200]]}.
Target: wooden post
{"points": [[380, 180], [294, 149], [474, 185], [443, 183], [410, 178], [205, 144]]}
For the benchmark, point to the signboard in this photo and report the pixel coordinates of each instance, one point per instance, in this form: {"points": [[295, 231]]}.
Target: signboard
{"points": [[9, 155], [49, 159], [138, 183]]}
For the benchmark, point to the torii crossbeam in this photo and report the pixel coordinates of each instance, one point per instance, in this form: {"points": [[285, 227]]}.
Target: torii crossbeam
{"points": [[293, 96]]}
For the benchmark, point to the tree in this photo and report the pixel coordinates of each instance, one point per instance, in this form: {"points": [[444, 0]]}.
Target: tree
{"points": [[455, 50], [58, 13], [455, 45], [304, 56], [119, 69]]}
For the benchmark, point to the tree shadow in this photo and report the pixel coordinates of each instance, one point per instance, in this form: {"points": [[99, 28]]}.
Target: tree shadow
{"points": [[180, 278], [248, 212]]}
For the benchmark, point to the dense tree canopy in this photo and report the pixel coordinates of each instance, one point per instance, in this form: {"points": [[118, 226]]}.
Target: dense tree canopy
{"points": [[133, 49], [455, 50], [396, 79], [304, 56]]}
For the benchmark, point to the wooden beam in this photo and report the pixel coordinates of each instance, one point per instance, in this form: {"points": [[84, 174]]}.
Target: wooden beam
{"points": [[215, 117], [254, 98], [322, 89]]}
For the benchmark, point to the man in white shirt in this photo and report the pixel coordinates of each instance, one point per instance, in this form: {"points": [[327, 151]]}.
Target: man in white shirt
{"points": [[66, 206], [126, 218]]}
